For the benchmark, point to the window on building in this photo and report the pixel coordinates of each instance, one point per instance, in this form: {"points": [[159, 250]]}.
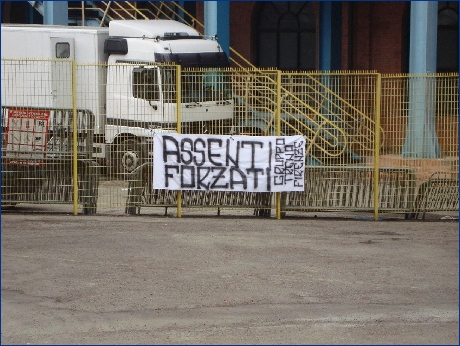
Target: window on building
{"points": [[62, 50], [286, 36], [447, 40]]}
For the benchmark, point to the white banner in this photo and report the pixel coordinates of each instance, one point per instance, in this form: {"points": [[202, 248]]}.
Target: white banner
{"points": [[229, 163]]}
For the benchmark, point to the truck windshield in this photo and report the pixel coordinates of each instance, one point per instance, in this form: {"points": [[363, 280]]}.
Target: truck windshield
{"points": [[197, 86], [205, 86]]}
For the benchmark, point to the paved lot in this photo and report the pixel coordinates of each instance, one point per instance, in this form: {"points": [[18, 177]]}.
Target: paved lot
{"points": [[115, 279]]}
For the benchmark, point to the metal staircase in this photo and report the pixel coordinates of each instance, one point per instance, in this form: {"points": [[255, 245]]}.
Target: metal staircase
{"points": [[335, 130]]}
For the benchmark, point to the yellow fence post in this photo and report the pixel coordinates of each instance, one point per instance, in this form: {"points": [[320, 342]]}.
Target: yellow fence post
{"points": [[178, 117], [377, 146], [278, 131], [74, 138]]}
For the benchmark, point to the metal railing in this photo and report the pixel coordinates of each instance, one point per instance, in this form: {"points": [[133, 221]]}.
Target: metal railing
{"points": [[330, 111], [40, 142]]}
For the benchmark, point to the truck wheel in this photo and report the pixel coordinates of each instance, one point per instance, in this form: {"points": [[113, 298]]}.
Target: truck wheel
{"points": [[129, 156]]}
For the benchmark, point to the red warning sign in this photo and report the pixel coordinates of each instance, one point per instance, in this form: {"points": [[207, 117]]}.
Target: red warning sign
{"points": [[27, 133]]}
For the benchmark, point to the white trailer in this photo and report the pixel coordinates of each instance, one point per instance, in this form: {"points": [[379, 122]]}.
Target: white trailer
{"points": [[119, 80]]}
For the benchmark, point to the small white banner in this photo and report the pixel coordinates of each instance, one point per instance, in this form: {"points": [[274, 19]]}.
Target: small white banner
{"points": [[229, 163]]}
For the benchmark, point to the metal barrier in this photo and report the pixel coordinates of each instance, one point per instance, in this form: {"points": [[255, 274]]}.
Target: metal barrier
{"points": [[38, 146], [355, 124], [327, 188], [50, 183], [436, 122], [439, 193], [142, 194], [340, 188]]}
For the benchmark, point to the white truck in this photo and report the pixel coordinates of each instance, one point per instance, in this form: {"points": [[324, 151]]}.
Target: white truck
{"points": [[119, 82]]}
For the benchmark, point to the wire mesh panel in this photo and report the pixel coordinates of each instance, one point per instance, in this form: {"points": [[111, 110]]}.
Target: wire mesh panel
{"points": [[420, 117], [339, 188], [46, 141], [86, 130], [141, 194], [141, 101], [419, 114], [335, 112], [439, 193], [215, 102], [255, 102], [206, 101], [132, 102]]}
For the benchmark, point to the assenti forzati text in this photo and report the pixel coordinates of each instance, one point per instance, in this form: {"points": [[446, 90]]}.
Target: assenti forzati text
{"points": [[229, 163]]}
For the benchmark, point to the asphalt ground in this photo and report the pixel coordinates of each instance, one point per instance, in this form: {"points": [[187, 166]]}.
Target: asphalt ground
{"points": [[151, 279]]}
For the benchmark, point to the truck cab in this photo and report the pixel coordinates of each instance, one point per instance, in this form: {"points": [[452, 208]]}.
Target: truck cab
{"points": [[141, 82], [126, 79]]}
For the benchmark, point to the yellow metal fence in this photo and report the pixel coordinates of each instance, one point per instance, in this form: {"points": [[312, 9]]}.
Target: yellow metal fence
{"points": [[82, 135]]}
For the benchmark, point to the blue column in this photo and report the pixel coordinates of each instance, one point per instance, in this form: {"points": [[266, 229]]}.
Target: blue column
{"points": [[330, 35], [210, 18], [423, 36], [223, 25], [217, 21], [180, 12], [421, 140], [55, 13], [330, 52]]}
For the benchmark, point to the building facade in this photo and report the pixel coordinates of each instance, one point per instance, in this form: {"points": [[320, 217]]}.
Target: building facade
{"points": [[373, 35]]}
